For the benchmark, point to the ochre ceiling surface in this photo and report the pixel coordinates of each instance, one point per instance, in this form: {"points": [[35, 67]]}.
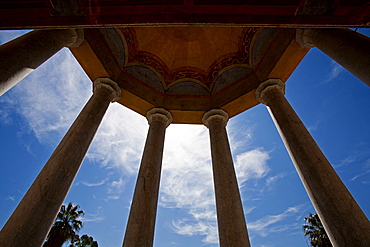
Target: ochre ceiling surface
{"points": [[195, 47], [189, 70], [192, 54]]}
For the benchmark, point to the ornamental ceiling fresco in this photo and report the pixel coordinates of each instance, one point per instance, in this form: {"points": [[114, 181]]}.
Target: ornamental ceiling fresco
{"points": [[188, 61], [189, 69], [188, 56], [196, 54]]}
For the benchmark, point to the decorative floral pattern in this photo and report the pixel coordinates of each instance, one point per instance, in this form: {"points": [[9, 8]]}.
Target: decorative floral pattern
{"points": [[241, 58]]}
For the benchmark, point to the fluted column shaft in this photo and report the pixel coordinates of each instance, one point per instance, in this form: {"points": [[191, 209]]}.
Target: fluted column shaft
{"points": [[342, 218], [141, 222], [348, 48], [232, 228], [35, 214], [22, 55]]}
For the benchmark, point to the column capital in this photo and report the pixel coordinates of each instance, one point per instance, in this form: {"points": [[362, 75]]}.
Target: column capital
{"points": [[269, 90], [215, 114], [110, 85], [304, 37], [159, 114], [75, 37]]}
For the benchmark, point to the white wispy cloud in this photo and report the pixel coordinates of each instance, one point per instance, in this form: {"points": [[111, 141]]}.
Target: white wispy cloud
{"points": [[248, 210], [51, 99], [336, 69], [267, 224], [272, 179], [314, 127], [94, 184], [240, 134], [365, 170], [116, 187], [203, 228], [359, 161], [5, 112], [92, 218], [251, 164], [97, 217], [348, 160], [10, 198], [120, 140], [187, 181]]}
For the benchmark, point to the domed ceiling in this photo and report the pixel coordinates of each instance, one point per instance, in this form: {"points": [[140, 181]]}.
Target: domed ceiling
{"points": [[189, 69]]}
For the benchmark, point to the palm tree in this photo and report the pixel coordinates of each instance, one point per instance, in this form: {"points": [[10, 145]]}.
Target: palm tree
{"points": [[315, 232], [65, 226], [84, 241]]}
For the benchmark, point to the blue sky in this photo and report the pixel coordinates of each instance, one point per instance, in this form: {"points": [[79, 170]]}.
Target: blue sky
{"points": [[332, 103]]}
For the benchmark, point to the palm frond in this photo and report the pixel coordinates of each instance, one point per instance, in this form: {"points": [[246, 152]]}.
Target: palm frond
{"points": [[315, 232]]}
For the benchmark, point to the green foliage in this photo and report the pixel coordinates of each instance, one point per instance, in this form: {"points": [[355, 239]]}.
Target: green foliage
{"points": [[66, 227], [84, 241], [315, 232]]}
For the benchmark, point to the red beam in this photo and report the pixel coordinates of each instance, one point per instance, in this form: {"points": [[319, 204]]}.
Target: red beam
{"points": [[265, 15]]}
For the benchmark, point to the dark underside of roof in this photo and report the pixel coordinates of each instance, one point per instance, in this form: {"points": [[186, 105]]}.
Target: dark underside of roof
{"points": [[18, 14]]}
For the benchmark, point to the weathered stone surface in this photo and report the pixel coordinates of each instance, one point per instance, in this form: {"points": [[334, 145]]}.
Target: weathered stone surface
{"points": [[232, 229], [343, 219], [143, 212]]}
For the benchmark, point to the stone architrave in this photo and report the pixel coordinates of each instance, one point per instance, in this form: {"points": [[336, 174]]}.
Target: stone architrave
{"points": [[22, 55], [348, 48], [32, 219], [232, 229], [141, 222], [342, 218]]}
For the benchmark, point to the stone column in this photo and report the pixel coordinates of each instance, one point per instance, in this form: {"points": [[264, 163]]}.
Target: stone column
{"points": [[348, 48], [341, 216], [35, 214], [141, 222], [21, 56], [232, 229]]}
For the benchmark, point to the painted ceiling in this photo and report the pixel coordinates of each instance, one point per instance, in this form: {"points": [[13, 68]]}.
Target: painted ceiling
{"points": [[189, 70], [188, 56]]}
